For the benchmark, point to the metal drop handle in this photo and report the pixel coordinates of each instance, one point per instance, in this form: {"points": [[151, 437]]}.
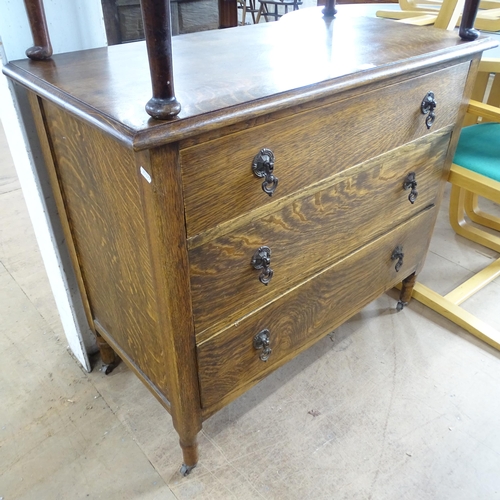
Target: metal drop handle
{"points": [[263, 166], [262, 260], [397, 254], [262, 341], [411, 183], [427, 108]]}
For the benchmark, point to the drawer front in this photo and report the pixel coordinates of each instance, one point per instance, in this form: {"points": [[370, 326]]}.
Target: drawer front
{"points": [[229, 363], [312, 232], [217, 175]]}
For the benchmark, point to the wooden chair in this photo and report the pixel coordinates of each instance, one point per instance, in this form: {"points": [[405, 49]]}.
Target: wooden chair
{"points": [[279, 8], [488, 16], [475, 172], [247, 6]]}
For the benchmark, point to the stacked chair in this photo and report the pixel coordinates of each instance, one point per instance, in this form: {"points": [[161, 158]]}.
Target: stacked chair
{"points": [[475, 173], [488, 16]]}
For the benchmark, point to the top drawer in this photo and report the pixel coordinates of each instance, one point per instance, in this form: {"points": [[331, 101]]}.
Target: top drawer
{"points": [[218, 180]]}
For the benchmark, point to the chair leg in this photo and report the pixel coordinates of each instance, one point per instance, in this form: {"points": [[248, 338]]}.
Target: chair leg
{"points": [[263, 11], [464, 228], [251, 3], [259, 14], [457, 315], [477, 215]]}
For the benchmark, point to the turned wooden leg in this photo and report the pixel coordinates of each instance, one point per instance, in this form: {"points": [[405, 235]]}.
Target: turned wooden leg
{"points": [[189, 454], [406, 290], [109, 358]]}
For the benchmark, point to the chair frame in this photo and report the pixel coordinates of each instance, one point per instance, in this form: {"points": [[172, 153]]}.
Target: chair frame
{"points": [[242, 5], [425, 12], [467, 220], [264, 11]]}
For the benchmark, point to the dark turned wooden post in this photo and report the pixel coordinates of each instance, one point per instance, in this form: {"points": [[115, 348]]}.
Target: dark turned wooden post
{"points": [[42, 48], [228, 14], [111, 22], [158, 32], [329, 10], [467, 31]]}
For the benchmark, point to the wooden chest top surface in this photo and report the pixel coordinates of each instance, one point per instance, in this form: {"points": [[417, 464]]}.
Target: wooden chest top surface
{"points": [[227, 75]]}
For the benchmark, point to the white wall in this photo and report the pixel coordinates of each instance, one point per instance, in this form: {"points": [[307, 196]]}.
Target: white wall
{"points": [[73, 25]]}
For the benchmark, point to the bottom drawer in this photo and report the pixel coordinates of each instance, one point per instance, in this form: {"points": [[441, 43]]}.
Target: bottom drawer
{"points": [[229, 363]]}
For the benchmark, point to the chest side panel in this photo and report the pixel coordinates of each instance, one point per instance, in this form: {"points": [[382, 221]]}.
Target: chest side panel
{"points": [[98, 180]]}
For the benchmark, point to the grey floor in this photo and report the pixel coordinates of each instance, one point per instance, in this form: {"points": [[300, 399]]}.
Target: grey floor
{"points": [[390, 406]]}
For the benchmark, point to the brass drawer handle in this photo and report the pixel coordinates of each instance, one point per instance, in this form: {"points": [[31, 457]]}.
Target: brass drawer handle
{"points": [[263, 166], [411, 183], [427, 107], [262, 341], [398, 254], [262, 260]]}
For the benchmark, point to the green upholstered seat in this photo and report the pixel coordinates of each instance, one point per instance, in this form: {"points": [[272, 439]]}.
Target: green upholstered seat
{"points": [[479, 149]]}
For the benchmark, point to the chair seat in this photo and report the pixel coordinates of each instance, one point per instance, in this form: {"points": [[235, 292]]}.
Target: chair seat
{"points": [[479, 149]]}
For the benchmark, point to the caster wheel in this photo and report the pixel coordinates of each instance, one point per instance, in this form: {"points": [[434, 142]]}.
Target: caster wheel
{"points": [[186, 469], [107, 369]]}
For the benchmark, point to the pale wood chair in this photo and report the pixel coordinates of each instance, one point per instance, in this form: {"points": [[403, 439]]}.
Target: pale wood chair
{"points": [[488, 16], [247, 6], [275, 9], [475, 173]]}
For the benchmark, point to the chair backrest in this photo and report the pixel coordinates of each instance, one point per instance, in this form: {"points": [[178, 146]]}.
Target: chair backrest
{"points": [[442, 14], [424, 12], [449, 13], [486, 90]]}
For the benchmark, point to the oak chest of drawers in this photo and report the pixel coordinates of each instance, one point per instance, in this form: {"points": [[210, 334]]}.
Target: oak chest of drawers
{"points": [[299, 182]]}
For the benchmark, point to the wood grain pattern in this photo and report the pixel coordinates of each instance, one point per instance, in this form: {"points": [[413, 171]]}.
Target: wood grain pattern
{"points": [[312, 231], [229, 364], [163, 205], [311, 146], [101, 196], [37, 109], [153, 388], [218, 85], [163, 250]]}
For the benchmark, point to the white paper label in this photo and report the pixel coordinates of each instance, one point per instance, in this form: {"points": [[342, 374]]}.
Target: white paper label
{"points": [[145, 175]]}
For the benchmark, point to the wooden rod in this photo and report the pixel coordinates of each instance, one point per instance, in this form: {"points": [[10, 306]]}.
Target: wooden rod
{"points": [[42, 48], [466, 30], [158, 31]]}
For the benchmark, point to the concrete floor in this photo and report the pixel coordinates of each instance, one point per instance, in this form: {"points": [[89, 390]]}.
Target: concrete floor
{"points": [[390, 406]]}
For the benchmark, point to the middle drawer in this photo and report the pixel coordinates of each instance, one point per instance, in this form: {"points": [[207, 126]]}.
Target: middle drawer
{"points": [[311, 231]]}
